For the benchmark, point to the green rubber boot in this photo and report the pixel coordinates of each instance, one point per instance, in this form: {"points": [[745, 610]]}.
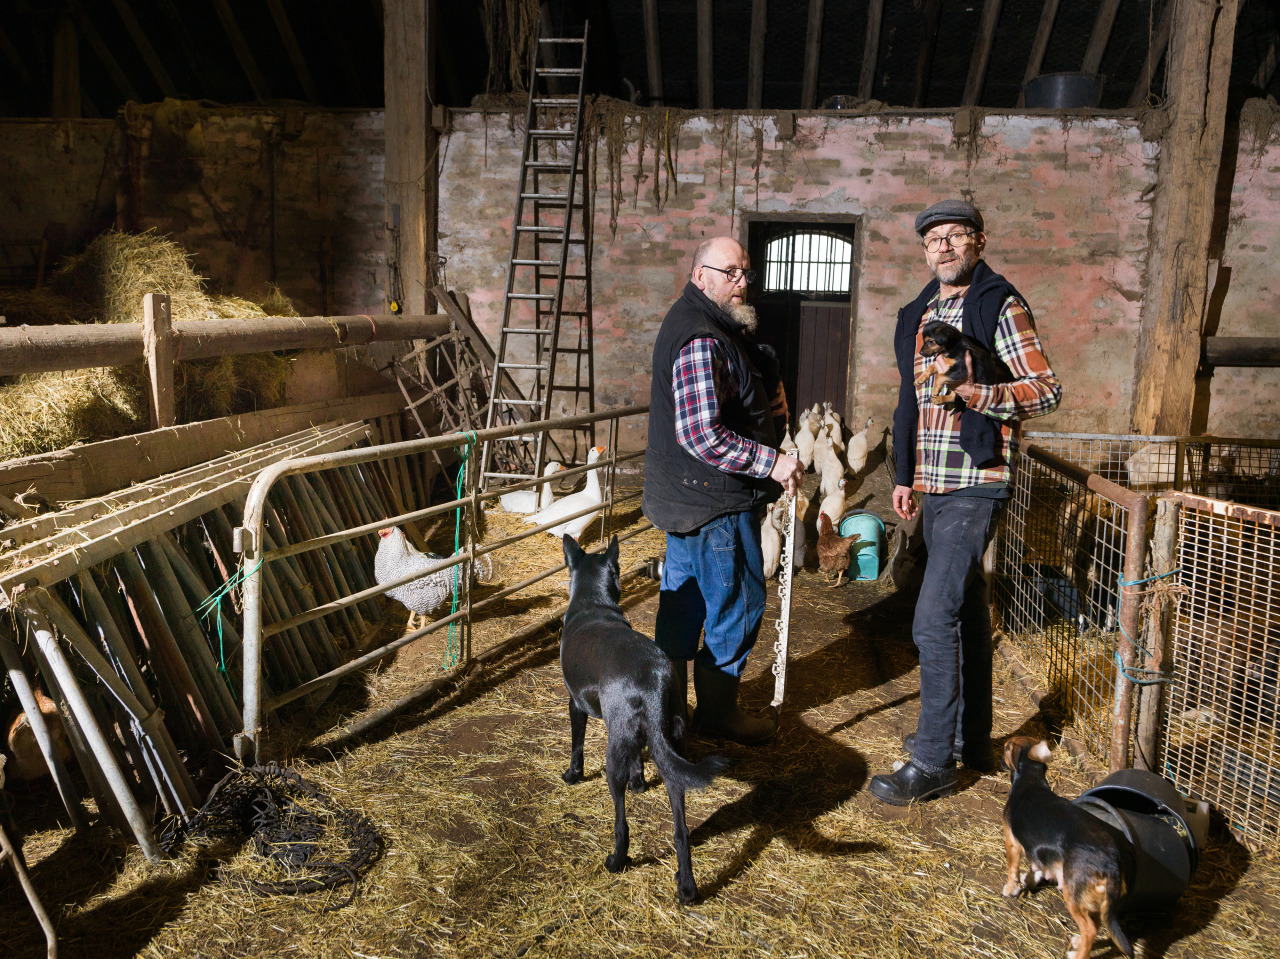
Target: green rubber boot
{"points": [[718, 713]]}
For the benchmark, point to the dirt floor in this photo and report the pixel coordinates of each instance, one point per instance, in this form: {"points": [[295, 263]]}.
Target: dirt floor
{"points": [[487, 852]]}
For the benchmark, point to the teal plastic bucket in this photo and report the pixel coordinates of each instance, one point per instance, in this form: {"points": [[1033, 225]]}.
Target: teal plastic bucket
{"points": [[869, 528]]}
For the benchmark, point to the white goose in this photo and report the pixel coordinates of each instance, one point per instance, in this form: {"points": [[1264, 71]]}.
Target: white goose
{"points": [[529, 500], [590, 496]]}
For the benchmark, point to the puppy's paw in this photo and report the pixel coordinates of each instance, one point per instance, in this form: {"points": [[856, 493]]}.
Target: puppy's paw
{"points": [[615, 863], [1013, 888], [572, 775]]}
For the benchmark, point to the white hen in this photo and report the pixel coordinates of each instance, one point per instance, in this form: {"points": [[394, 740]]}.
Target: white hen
{"points": [[788, 445], [770, 541], [857, 450], [397, 557], [831, 468], [528, 500], [833, 505], [804, 446], [567, 505]]}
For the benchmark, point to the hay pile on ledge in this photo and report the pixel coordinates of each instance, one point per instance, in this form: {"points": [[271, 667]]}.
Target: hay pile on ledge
{"points": [[106, 283]]}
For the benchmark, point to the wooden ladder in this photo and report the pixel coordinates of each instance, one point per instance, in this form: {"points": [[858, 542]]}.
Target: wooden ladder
{"points": [[545, 345]]}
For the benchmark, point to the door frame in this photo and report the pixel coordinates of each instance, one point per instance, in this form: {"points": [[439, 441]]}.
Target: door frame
{"points": [[858, 222]]}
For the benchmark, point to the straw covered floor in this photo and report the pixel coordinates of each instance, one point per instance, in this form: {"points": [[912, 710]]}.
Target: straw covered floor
{"points": [[487, 852]]}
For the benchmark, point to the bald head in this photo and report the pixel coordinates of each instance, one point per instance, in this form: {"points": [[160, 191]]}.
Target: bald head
{"points": [[715, 249]]}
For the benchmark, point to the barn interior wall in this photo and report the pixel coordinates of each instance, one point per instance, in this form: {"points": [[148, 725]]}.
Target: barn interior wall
{"points": [[1067, 201]]}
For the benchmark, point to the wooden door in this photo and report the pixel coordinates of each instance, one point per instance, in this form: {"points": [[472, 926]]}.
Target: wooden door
{"points": [[823, 368]]}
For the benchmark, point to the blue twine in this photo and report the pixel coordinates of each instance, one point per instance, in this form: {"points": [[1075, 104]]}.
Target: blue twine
{"points": [[452, 645], [213, 605], [1128, 672]]}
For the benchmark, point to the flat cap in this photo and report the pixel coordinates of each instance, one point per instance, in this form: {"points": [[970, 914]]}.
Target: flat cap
{"points": [[948, 211]]}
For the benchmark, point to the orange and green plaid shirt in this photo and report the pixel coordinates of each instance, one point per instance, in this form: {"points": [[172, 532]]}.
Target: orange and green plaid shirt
{"points": [[941, 465]]}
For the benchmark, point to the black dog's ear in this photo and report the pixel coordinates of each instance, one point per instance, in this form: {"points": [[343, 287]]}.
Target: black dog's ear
{"points": [[611, 554], [572, 551]]}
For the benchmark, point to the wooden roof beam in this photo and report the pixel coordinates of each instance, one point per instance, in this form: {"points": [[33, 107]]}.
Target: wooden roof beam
{"points": [[812, 54], [15, 61], [1101, 34], [755, 54], [103, 52], [1267, 68], [981, 53], [190, 53], [295, 52], [870, 49], [653, 50], [706, 46], [1155, 53], [148, 52], [1039, 45], [928, 40], [238, 43]]}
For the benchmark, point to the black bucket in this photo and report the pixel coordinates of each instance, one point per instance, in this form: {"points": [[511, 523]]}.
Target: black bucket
{"points": [[1063, 91], [1165, 834]]}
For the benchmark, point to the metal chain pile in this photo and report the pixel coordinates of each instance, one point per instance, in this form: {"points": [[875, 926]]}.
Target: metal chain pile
{"points": [[287, 818]]}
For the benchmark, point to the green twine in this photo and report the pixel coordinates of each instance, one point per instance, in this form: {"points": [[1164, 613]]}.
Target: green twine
{"points": [[452, 648], [212, 606], [1127, 672]]}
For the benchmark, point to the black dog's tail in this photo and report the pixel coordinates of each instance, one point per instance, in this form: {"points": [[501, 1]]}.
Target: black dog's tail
{"points": [[1113, 925], [675, 769]]}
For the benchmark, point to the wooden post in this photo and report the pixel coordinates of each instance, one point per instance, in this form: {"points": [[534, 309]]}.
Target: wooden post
{"points": [[66, 71], [1182, 218], [812, 53], [981, 53], [158, 348], [706, 71], [755, 56], [1041, 43], [1157, 636], [870, 50], [653, 51], [406, 173]]}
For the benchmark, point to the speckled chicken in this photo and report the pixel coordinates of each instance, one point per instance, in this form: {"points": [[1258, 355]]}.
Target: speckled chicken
{"points": [[397, 557]]}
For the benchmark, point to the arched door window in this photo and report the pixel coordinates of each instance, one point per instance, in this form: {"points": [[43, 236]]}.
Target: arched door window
{"points": [[806, 261]]}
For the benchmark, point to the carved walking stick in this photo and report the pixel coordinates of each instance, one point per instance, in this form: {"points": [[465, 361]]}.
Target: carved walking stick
{"points": [[783, 622]]}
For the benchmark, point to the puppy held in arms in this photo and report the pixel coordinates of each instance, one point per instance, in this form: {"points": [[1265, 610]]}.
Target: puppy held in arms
{"points": [[619, 675], [1089, 860], [947, 345]]}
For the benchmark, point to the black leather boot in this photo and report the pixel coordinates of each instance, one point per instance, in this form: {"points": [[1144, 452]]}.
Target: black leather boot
{"points": [[913, 783], [718, 713], [977, 759]]}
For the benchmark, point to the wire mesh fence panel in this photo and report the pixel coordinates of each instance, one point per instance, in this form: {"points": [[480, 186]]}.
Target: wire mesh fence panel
{"points": [[1058, 572], [1135, 462], [1238, 471], [1221, 741]]}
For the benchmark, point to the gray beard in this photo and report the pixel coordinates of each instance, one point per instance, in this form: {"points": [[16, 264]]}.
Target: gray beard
{"points": [[745, 316]]}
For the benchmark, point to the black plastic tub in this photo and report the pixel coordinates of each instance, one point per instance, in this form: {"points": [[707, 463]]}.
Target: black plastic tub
{"points": [[1063, 91]]}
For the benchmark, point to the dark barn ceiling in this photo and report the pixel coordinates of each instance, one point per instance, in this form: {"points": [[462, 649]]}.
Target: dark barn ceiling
{"points": [[329, 52]]}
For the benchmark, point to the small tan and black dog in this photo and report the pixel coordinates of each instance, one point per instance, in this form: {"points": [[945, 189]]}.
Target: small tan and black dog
{"points": [[1089, 860], [943, 340]]}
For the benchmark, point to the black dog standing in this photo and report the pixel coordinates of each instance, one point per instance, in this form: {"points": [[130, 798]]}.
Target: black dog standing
{"points": [[619, 675]]}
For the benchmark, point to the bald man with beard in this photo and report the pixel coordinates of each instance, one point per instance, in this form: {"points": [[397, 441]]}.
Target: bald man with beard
{"points": [[710, 467]]}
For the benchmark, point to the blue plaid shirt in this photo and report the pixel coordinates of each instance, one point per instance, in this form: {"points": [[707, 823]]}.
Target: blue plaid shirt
{"points": [[700, 378]]}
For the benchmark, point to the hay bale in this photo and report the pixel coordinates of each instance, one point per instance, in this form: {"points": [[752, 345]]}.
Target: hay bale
{"points": [[106, 283]]}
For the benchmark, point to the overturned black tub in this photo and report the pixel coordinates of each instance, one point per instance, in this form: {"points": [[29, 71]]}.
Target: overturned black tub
{"points": [[1167, 832]]}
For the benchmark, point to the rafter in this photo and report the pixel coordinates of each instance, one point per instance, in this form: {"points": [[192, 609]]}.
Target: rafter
{"points": [[812, 54], [1101, 34], [238, 43], [1038, 46], [15, 61], [870, 49], [1155, 53], [291, 47], [755, 55], [103, 52], [1267, 68], [981, 53], [148, 52], [928, 40], [190, 53], [706, 74], [653, 50]]}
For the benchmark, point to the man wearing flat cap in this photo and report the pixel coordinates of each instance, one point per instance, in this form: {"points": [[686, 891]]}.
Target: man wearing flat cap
{"points": [[961, 464]]}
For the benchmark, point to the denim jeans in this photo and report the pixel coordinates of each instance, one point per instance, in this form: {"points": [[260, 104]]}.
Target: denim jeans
{"points": [[952, 627], [713, 577]]}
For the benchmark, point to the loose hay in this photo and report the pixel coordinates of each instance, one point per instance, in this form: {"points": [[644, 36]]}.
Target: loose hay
{"points": [[106, 283], [489, 853]]}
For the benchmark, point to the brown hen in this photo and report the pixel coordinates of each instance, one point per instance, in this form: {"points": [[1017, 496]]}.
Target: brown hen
{"points": [[833, 550]]}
